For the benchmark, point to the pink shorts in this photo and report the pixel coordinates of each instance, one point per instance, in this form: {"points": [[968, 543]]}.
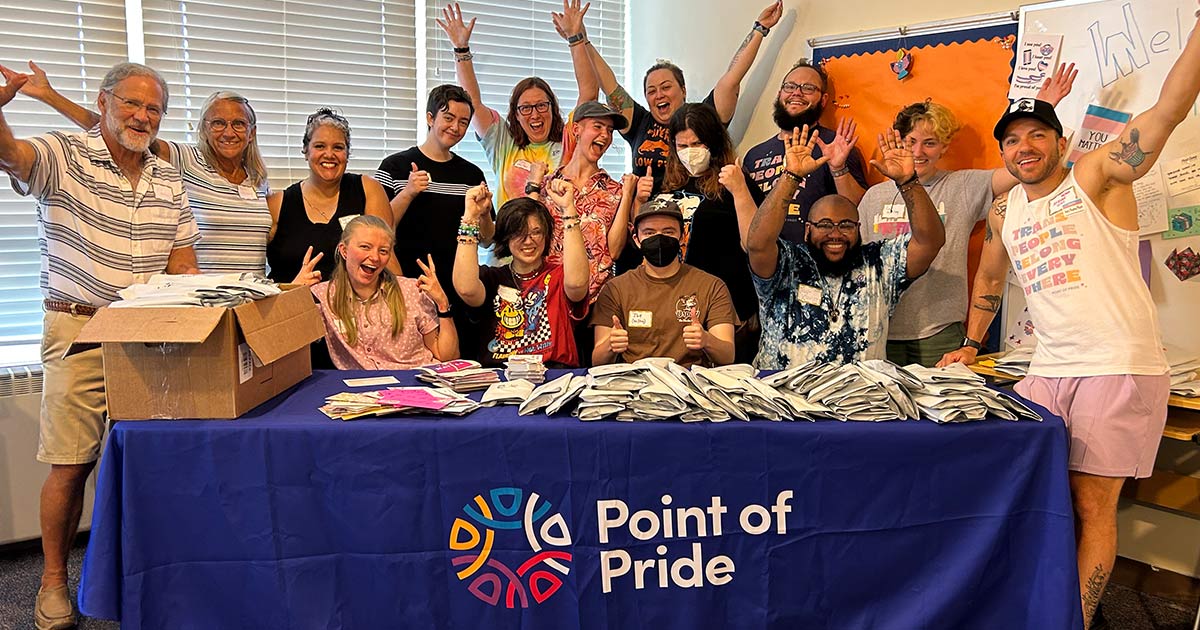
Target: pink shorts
{"points": [[1115, 422]]}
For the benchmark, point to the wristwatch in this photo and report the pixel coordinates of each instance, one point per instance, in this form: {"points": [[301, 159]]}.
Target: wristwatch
{"points": [[968, 342], [446, 314], [532, 188]]}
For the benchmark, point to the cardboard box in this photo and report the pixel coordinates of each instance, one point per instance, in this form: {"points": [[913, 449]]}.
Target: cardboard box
{"points": [[201, 362]]}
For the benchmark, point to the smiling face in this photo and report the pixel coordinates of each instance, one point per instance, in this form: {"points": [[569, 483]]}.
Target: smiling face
{"points": [[229, 143], [926, 147], [536, 123], [132, 112], [664, 95], [327, 153], [832, 247], [796, 101], [1032, 150], [366, 253], [448, 127], [529, 245], [593, 137]]}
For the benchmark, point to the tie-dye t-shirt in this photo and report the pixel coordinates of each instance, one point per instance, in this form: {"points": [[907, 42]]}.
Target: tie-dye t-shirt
{"points": [[511, 163], [808, 316]]}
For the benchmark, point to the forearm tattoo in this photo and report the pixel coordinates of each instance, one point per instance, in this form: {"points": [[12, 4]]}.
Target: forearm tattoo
{"points": [[620, 99], [987, 231], [989, 303], [1131, 152], [737, 56]]}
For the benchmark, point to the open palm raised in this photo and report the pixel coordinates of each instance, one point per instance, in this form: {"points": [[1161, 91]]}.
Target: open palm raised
{"points": [[798, 152], [896, 161]]}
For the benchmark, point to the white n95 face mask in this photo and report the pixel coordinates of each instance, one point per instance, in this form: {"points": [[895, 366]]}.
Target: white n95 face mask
{"points": [[695, 159]]}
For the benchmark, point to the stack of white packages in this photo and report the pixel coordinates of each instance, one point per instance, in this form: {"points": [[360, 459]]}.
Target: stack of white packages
{"points": [[1185, 372], [873, 391], [525, 366], [205, 289], [1016, 362]]}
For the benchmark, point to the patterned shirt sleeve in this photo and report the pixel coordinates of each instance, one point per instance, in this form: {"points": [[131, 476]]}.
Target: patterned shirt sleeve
{"points": [[892, 259], [49, 153]]}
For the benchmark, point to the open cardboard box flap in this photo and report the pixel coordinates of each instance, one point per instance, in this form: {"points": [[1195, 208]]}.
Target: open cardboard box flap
{"points": [[277, 326], [149, 325]]}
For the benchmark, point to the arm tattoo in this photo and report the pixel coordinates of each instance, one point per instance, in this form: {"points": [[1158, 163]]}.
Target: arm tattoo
{"points": [[1094, 589], [773, 203], [1000, 206], [1131, 153], [989, 303], [620, 99], [737, 56], [987, 231]]}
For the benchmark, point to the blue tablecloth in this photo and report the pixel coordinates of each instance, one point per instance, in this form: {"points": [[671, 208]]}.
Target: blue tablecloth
{"points": [[285, 519]]}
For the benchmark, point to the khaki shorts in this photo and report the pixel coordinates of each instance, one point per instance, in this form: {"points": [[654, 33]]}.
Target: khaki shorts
{"points": [[73, 406]]}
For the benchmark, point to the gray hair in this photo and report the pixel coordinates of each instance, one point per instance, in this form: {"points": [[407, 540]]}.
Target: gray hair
{"points": [[127, 69], [256, 169], [326, 116]]}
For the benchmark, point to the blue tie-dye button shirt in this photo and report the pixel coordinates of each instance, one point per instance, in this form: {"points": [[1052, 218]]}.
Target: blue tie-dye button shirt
{"points": [[794, 332]]}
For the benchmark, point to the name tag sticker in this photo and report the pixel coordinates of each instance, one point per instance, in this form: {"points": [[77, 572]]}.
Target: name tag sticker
{"points": [[894, 211], [344, 221], [806, 294], [641, 319], [162, 192], [524, 165], [1066, 202], [247, 193]]}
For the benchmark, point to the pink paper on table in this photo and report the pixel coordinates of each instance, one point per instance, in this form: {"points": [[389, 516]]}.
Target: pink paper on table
{"points": [[419, 398]]}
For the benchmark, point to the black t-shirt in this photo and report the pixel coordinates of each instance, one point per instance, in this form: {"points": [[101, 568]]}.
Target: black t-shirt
{"points": [[713, 242], [764, 161], [295, 232], [651, 141]]}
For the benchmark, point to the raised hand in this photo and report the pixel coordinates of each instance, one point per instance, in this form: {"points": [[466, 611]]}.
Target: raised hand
{"points": [[896, 161], [629, 184], [428, 283], [457, 31], [693, 333], [308, 275], [618, 337], [770, 15], [732, 179], [798, 150], [843, 142], [12, 85], [562, 193], [537, 172], [477, 201], [418, 181], [570, 21], [645, 186], [1058, 85]]}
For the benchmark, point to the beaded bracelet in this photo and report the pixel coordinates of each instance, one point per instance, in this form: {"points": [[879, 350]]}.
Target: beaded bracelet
{"points": [[469, 229], [468, 240], [841, 171], [467, 56]]}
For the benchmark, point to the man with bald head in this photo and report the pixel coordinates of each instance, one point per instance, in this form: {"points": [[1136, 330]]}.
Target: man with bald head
{"points": [[830, 298]]}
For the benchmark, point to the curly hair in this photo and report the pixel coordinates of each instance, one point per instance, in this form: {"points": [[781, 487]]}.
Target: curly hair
{"points": [[939, 118]]}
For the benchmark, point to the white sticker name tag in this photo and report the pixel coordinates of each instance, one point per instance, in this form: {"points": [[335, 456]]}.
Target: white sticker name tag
{"points": [[344, 221], [162, 192], [806, 294], [247, 193], [1066, 202], [641, 319]]}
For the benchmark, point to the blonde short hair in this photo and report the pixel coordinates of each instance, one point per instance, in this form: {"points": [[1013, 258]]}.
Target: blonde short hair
{"points": [[939, 117]]}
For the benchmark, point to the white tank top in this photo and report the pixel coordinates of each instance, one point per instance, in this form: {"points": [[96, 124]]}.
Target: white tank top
{"points": [[1092, 313]]}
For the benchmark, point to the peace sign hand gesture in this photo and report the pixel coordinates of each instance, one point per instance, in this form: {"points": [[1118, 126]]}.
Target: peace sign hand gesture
{"points": [[308, 274], [429, 285], [897, 161]]}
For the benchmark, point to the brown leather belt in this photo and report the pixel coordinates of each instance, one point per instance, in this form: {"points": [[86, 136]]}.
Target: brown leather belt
{"points": [[59, 306]]}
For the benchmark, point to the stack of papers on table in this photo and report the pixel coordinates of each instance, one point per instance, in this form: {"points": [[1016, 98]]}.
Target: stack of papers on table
{"points": [[1016, 362], [204, 289], [436, 400], [1185, 379], [525, 366], [460, 375]]}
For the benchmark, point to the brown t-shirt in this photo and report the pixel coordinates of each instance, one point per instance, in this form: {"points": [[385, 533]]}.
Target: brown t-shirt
{"points": [[655, 310]]}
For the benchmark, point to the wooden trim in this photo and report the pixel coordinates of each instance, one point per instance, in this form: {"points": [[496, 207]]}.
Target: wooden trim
{"points": [[1166, 489]]}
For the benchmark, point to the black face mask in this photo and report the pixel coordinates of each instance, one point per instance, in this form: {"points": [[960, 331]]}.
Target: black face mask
{"points": [[660, 250]]}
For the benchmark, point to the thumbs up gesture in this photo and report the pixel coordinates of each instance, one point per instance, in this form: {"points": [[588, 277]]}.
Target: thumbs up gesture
{"points": [[418, 181], [645, 186], [618, 337], [693, 333], [732, 179]]}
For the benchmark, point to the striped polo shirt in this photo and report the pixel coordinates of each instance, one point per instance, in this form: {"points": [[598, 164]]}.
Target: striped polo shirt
{"points": [[97, 234], [233, 219]]}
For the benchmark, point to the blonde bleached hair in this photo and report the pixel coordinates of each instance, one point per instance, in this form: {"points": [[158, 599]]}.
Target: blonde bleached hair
{"points": [[940, 119], [340, 295], [252, 161]]}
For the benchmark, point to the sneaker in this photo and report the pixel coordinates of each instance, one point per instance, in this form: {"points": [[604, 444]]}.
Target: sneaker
{"points": [[54, 610]]}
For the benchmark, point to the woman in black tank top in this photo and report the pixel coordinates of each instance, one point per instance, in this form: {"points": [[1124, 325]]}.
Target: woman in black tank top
{"points": [[311, 212]]}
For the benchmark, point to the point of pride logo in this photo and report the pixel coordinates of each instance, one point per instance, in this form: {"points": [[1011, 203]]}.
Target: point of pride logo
{"points": [[506, 510]]}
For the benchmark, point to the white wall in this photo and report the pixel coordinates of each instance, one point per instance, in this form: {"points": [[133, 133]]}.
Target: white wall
{"points": [[701, 35]]}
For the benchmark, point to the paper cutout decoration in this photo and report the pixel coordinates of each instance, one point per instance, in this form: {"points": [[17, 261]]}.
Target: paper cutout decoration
{"points": [[1183, 222], [902, 66], [1184, 264], [1037, 57], [1101, 125]]}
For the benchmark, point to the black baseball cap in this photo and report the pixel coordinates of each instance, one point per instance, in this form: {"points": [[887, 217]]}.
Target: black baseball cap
{"points": [[596, 109], [1028, 108], [659, 206]]}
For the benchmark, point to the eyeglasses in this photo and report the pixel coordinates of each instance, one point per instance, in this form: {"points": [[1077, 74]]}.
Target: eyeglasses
{"points": [[805, 88], [130, 106], [533, 235], [219, 124], [846, 226], [541, 108]]}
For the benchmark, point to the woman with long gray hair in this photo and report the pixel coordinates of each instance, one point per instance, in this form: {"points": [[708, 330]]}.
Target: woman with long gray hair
{"points": [[223, 172]]}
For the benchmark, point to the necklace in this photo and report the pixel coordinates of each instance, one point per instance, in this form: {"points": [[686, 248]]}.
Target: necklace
{"points": [[324, 214], [521, 279], [835, 299], [369, 299]]}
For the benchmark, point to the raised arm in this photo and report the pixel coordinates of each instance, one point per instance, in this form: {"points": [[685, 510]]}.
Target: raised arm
{"points": [[618, 232], [760, 234], [839, 151], [1054, 89], [574, 260], [616, 95], [442, 341], [478, 201], [16, 156], [459, 34], [569, 25], [989, 286], [729, 86], [928, 234]]}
